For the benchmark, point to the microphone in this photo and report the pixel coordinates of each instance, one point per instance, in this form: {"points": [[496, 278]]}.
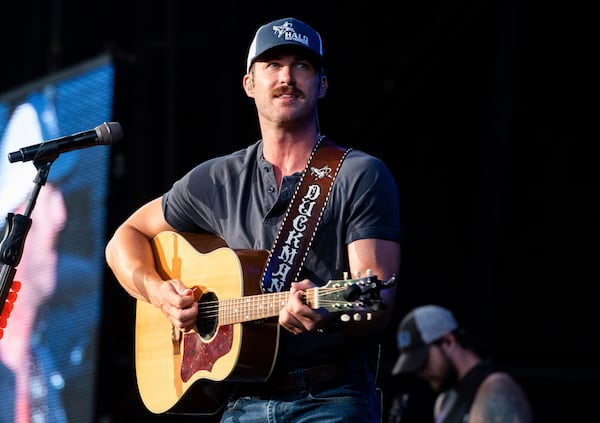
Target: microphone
{"points": [[106, 134]]}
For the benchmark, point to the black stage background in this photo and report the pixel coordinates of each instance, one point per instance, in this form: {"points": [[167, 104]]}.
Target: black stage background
{"points": [[478, 107]]}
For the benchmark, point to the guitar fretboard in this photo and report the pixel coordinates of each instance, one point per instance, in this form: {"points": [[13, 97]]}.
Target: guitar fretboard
{"points": [[257, 307], [254, 307]]}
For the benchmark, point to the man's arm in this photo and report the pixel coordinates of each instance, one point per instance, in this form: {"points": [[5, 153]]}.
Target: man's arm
{"points": [[129, 255], [382, 257], [128, 252], [379, 256], [500, 399]]}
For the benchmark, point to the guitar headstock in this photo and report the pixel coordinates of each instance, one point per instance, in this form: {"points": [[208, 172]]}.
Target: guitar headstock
{"points": [[357, 294]]}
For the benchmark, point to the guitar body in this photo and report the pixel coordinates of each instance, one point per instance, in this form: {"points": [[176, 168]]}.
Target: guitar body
{"points": [[193, 373]]}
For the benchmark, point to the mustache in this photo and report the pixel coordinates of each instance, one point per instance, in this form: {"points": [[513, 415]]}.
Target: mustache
{"points": [[288, 90]]}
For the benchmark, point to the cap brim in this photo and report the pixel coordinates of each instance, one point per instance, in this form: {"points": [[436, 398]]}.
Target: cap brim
{"points": [[310, 54], [411, 361]]}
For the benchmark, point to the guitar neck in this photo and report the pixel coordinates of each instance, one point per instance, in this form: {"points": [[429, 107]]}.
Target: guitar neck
{"points": [[250, 308], [258, 307]]}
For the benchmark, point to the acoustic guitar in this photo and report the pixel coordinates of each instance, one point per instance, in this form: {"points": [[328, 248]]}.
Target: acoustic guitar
{"points": [[236, 336]]}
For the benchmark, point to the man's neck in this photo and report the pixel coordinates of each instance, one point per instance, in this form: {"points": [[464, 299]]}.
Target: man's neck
{"points": [[289, 152]]}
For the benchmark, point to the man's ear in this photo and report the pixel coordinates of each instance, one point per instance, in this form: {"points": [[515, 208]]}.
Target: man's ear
{"points": [[248, 83], [323, 86], [448, 340]]}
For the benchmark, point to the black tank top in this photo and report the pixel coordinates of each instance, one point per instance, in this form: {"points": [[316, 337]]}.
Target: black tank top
{"points": [[464, 394]]}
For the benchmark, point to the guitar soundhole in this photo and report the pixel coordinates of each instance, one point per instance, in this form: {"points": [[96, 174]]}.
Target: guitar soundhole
{"points": [[208, 315]]}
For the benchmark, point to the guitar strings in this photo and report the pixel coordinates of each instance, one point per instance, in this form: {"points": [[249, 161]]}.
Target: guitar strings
{"points": [[254, 307]]}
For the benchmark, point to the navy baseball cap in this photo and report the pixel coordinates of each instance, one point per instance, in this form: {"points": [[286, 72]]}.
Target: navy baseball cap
{"points": [[417, 331], [285, 32]]}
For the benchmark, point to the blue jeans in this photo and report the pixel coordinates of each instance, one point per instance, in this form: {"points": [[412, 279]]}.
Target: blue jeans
{"points": [[355, 401]]}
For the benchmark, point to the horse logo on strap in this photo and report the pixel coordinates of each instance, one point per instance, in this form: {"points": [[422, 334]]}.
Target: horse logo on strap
{"points": [[325, 171]]}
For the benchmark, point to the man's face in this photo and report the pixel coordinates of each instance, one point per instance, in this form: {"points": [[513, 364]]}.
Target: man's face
{"points": [[286, 87], [439, 371]]}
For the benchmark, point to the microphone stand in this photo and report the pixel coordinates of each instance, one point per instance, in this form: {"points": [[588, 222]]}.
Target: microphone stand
{"points": [[17, 227]]}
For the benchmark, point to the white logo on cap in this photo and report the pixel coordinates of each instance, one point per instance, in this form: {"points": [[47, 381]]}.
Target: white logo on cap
{"points": [[289, 34]]}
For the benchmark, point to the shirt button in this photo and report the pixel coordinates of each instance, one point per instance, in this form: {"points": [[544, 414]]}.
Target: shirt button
{"points": [[271, 189]]}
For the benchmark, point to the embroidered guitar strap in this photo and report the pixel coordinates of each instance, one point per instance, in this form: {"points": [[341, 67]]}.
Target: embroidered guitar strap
{"points": [[303, 216]]}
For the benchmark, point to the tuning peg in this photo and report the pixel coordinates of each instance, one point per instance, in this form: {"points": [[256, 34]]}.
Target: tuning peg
{"points": [[352, 293]]}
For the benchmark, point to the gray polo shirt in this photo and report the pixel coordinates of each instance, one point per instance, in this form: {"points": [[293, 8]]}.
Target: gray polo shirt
{"points": [[235, 196]]}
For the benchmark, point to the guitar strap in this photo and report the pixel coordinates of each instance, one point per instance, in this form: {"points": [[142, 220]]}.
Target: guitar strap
{"points": [[303, 216]]}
